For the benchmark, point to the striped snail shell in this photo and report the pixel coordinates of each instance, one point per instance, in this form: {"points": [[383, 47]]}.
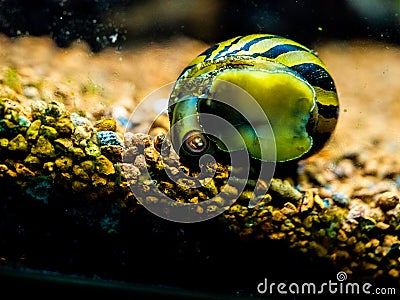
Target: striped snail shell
{"points": [[289, 82]]}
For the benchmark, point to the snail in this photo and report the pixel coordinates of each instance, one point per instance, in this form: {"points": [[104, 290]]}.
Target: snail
{"points": [[289, 83]]}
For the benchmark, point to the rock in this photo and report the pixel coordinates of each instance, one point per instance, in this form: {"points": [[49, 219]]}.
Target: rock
{"points": [[108, 138], [48, 132], [18, 144], [104, 165], [64, 164], [64, 126], [106, 125], [340, 198], [387, 201], [284, 189], [43, 148]]}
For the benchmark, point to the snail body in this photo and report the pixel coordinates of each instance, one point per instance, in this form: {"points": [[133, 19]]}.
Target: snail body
{"points": [[289, 83]]}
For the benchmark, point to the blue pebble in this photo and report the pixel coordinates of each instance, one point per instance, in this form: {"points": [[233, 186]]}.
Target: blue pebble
{"points": [[327, 203], [108, 138], [398, 182], [340, 198], [23, 121], [125, 122], [78, 120]]}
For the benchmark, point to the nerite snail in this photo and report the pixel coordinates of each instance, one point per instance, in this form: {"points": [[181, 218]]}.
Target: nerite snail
{"points": [[289, 82]]}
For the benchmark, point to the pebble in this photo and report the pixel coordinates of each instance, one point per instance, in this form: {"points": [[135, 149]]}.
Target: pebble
{"points": [[289, 209], [33, 130], [108, 138], [48, 132], [104, 165], [285, 189], [340, 198], [23, 170], [106, 125], [24, 121], [308, 201], [387, 200], [130, 171], [31, 92], [327, 203], [140, 140], [18, 144], [78, 120], [345, 168], [320, 202], [64, 126]]}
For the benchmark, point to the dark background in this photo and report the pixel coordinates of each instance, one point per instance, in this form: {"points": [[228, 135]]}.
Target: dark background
{"points": [[123, 23]]}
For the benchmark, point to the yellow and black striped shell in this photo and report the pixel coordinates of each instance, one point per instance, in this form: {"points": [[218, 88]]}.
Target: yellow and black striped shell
{"points": [[289, 82]]}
